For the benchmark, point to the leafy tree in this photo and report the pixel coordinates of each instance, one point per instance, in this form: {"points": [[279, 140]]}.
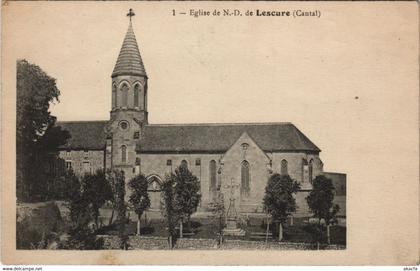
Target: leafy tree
{"points": [[96, 191], [121, 208], [139, 198], [187, 193], [81, 236], [63, 187], [169, 206], [320, 201], [279, 200], [82, 211], [71, 185], [37, 138]]}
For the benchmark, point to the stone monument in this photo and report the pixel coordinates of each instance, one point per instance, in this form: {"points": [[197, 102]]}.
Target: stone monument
{"points": [[232, 215]]}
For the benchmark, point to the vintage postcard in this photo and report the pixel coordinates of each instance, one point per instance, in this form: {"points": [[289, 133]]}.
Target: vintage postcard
{"points": [[212, 133]]}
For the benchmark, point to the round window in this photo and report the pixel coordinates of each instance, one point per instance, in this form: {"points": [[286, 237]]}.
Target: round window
{"points": [[124, 125]]}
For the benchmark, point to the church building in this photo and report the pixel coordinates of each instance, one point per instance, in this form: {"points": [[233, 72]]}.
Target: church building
{"points": [[218, 154]]}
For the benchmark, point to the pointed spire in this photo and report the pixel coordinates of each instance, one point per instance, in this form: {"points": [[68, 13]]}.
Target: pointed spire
{"points": [[129, 61]]}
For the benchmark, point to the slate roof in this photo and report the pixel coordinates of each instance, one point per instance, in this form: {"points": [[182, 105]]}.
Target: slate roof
{"points": [[220, 137], [129, 61], [87, 135], [213, 138]]}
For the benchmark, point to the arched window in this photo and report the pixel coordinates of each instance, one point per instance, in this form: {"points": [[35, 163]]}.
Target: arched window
{"points": [[283, 169], [136, 95], [124, 90], [184, 164], [153, 184], [305, 171], [213, 180], [311, 170], [123, 154], [114, 96], [144, 97], [245, 176]]}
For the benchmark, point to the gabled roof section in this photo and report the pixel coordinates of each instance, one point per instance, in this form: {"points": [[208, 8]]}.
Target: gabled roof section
{"points": [[86, 135], [129, 61], [218, 138]]}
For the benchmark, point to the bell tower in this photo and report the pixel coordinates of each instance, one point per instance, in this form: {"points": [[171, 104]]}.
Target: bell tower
{"points": [[129, 106]]}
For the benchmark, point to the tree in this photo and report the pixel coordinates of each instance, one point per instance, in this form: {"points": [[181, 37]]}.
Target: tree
{"points": [[96, 191], [63, 187], [71, 185], [121, 208], [187, 193], [139, 198], [81, 235], [279, 200], [37, 137], [320, 201], [169, 206]]}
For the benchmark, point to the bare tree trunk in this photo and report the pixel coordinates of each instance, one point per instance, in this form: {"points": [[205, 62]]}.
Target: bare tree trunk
{"points": [[320, 234], [170, 241], [328, 234], [96, 223], [180, 229], [138, 224], [280, 232], [145, 218], [111, 218], [220, 230], [189, 223], [266, 234]]}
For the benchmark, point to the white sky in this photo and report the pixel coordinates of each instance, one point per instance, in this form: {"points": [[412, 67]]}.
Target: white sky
{"points": [[307, 71]]}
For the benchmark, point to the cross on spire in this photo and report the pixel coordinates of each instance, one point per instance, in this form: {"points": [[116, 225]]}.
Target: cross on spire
{"points": [[130, 13]]}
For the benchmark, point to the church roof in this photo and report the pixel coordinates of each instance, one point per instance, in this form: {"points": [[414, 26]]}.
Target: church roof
{"points": [[129, 61], [86, 135], [211, 138], [220, 137]]}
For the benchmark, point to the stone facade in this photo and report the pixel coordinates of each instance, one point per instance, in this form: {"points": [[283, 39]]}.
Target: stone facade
{"points": [[83, 161], [218, 154]]}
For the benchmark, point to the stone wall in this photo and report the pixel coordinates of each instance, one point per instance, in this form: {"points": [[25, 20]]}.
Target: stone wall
{"points": [[156, 164], [243, 245], [124, 137], [295, 166], [148, 243], [245, 149], [230, 165], [77, 158], [186, 243], [135, 242]]}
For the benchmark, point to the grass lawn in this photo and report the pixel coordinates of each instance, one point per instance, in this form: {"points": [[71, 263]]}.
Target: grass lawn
{"points": [[207, 228]]}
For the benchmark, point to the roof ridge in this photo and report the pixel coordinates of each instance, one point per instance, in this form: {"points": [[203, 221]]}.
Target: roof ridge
{"points": [[219, 124], [80, 121], [300, 134]]}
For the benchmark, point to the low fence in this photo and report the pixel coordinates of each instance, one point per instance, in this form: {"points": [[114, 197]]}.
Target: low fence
{"points": [[153, 243]]}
